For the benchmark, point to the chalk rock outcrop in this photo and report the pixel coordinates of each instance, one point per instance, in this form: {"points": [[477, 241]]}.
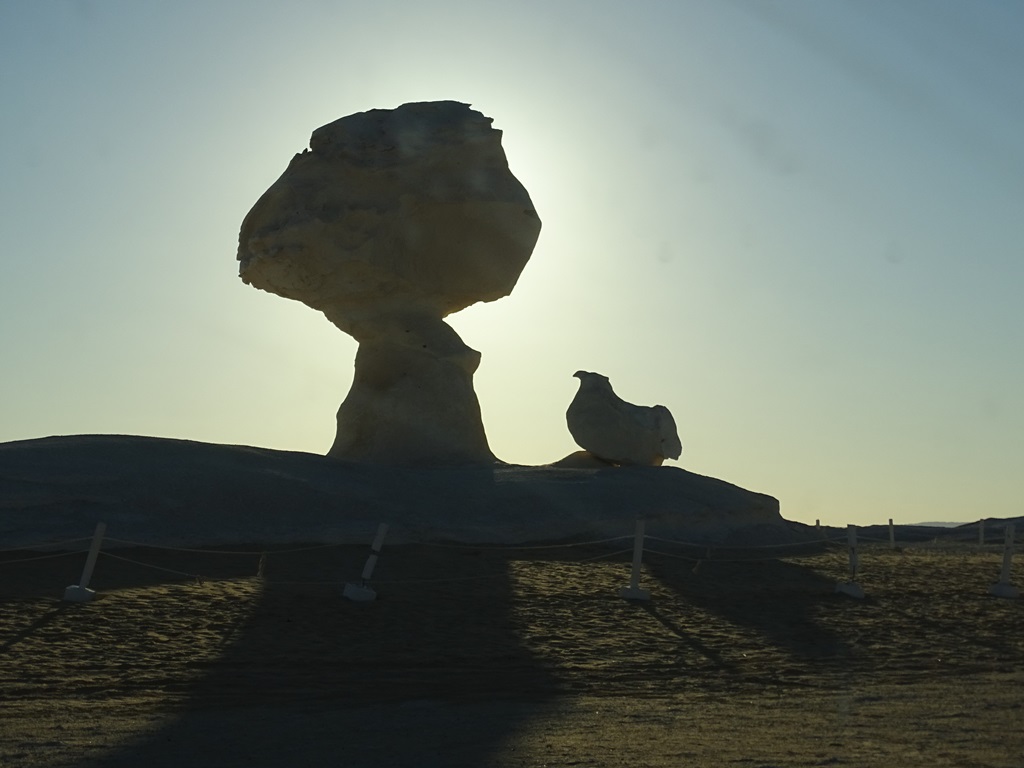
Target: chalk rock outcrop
{"points": [[392, 220], [618, 432], [187, 494]]}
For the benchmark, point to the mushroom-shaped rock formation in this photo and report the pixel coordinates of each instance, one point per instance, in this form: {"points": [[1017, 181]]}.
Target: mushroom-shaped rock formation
{"points": [[619, 432], [392, 220]]}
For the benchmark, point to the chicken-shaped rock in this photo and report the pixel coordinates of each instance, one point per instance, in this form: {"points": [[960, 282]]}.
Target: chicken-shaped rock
{"points": [[619, 432]]}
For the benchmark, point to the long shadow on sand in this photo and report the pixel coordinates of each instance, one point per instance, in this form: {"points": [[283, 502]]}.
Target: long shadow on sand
{"points": [[429, 674], [461, 653], [777, 600]]}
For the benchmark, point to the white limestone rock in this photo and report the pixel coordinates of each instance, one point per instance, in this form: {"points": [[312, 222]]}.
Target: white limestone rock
{"points": [[619, 432], [392, 220]]}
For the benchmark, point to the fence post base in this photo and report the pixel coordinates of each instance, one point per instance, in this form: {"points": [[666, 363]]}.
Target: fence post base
{"points": [[359, 594], [634, 593], [77, 594], [999, 589], [851, 589], [1003, 587]]}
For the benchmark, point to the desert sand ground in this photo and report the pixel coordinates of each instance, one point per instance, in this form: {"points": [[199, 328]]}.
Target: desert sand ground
{"points": [[481, 657]]}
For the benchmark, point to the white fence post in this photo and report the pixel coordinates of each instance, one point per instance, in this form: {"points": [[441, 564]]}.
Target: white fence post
{"points": [[892, 535], [851, 587], [79, 593], [633, 591], [1003, 587], [361, 593]]}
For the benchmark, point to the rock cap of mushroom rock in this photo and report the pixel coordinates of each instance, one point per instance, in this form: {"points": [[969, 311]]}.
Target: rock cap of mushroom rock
{"points": [[392, 213]]}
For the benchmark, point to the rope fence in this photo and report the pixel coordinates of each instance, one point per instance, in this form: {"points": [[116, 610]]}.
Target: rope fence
{"points": [[519, 547], [49, 545], [753, 547], [38, 557], [668, 548], [207, 551], [123, 559]]}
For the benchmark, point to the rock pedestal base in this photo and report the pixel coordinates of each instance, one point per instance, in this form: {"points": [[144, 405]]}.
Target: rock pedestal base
{"points": [[412, 401]]}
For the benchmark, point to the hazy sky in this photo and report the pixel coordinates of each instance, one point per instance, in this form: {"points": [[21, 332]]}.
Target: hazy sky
{"points": [[797, 224]]}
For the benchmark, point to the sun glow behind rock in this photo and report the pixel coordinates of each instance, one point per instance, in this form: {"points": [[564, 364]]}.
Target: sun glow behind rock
{"points": [[781, 222]]}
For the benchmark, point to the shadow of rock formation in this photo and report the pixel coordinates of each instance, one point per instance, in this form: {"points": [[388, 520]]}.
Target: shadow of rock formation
{"points": [[431, 674], [776, 600]]}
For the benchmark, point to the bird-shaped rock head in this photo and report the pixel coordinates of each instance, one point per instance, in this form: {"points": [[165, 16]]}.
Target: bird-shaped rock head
{"points": [[619, 432], [590, 379]]}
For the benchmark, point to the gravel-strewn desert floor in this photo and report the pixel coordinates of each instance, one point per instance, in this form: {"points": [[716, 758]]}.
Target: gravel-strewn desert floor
{"points": [[478, 657]]}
